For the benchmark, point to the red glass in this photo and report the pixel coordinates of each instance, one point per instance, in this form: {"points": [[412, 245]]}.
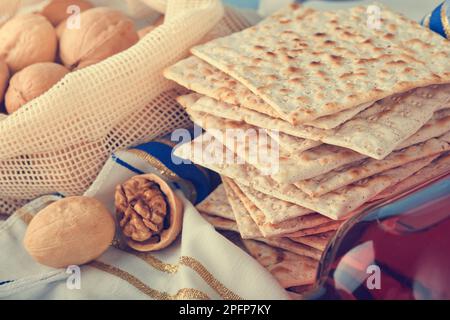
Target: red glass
{"points": [[396, 251]]}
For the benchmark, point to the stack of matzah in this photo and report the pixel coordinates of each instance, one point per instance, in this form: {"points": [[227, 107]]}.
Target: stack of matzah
{"points": [[357, 114]]}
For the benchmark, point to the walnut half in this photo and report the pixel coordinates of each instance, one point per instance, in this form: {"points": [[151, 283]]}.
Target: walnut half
{"points": [[148, 211]]}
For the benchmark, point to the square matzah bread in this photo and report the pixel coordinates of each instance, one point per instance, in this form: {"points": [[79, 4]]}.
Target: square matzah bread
{"points": [[291, 245], [327, 227], [291, 167], [318, 241], [307, 64], [310, 163], [247, 227], [249, 230], [288, 226], [201, 77], [289, 269], [269, 230], [335, 205], [221, 223], [437, 126], [274, 210], [375, 132], [359, 170], [291, 144], [436, 169], [217, 204]]}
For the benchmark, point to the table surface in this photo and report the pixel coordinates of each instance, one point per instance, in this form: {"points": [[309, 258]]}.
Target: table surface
{"points": [[415, 9]]}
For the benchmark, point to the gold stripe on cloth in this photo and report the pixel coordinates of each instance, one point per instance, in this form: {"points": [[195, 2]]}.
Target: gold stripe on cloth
{"points": [[223, 291], [444, 21], [196, 266], [166, 172], [156, 263], [184, 293]]}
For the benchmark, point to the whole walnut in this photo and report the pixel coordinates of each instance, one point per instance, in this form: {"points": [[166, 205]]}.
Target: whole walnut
{"points": [[103, 32], [31, 82], [71, 231], [149, 213], [27, 39], [4, 78], [56, 11]]}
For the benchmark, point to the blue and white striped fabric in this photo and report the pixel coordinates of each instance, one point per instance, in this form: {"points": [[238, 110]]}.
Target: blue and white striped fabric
{"points": [[438, 20]]}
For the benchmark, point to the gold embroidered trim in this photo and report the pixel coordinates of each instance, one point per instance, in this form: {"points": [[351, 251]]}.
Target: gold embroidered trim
{"points": [[155, 162], [444, 21], [156, 263], [195, 265], [185, 293], [166, 172]]}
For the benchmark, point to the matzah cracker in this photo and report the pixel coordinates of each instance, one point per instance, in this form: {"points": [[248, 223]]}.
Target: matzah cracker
{"points": [[282, 243], [291, 167], [199, 76], [353, 172], [318, 241], [307, 64], [220, 109], [247, 227], [289, 269], [436, 169], [331, 226], [335, 205], [437, 126], [217, 204], [292, 246], [291, 144], [221, 223], [278, 229], [274, 210], [375, 132], [400, 117]]}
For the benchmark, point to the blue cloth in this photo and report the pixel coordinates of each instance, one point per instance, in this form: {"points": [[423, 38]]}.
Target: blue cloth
{"points": [[438, 20]]}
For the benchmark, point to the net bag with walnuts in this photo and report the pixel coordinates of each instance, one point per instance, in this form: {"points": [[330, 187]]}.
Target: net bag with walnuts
{"points": [[59, 141]]}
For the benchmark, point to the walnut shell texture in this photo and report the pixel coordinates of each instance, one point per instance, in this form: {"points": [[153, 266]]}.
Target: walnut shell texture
{"points": [[103, 32], [56, 10], [4, 78], [27, 39], [31, 82], [149, 213], [71, 231]]}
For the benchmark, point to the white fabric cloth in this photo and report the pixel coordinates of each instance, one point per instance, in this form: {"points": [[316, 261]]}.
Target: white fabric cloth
{"points": [[201, 264]]}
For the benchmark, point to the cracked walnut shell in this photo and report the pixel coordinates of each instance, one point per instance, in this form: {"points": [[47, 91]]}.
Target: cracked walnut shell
{"points": [[149, 213]]}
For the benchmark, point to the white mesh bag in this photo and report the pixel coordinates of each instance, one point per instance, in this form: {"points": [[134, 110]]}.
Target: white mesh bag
{"points": [[59, 141]]}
